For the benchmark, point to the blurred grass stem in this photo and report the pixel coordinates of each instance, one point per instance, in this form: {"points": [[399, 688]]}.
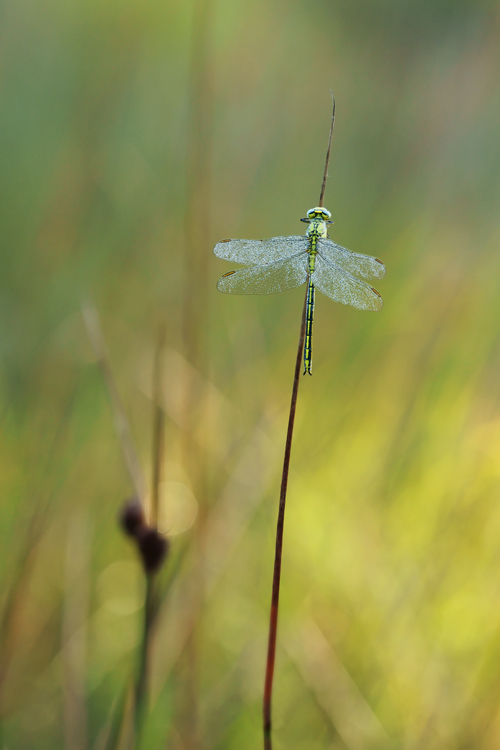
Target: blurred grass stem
{"points": [[142, 681], [275, 596], [158, 428], [195, 314], [92, 322], [150, 600], [273, 623]]}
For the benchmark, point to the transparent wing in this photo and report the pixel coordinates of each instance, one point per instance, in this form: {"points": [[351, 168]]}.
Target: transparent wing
{"points": [[261, 251], [342, 287], [355, 263], [266, 279]]}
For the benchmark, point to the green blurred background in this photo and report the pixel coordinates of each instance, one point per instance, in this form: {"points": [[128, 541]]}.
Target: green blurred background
{"points": [[134, 136]]}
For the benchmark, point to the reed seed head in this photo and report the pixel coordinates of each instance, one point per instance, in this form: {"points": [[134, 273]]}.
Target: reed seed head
{"points": [[132, 518], [153, 548]]}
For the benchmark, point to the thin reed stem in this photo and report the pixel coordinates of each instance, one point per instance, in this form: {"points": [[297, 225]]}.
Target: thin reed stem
{"points": [[142, 680], [93, 324], [158, 429], [150, 599], [273, 623], [149, 566], [327, 160]]}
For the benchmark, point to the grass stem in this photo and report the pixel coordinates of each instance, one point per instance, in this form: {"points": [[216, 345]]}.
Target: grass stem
{"points": [[142, 680], [273, 623], [141, 685], [327, 160], [158, 428]]}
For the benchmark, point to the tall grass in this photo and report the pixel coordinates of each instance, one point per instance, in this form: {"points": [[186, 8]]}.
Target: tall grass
{"points": [[392, 523]]}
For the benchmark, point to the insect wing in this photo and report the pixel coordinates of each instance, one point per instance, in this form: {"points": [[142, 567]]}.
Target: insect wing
{"points": [[360, 265], [342, 287], [266, 279], [261, 251]]}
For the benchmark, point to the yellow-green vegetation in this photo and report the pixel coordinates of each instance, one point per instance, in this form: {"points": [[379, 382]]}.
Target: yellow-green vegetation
{"points": [[135, 135]]}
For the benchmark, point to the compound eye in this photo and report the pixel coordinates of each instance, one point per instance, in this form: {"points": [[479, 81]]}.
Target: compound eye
{"points": [[319, 212]]}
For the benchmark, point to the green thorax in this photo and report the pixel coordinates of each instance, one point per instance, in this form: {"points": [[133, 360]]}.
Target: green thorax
{"points": [[316, 229]]}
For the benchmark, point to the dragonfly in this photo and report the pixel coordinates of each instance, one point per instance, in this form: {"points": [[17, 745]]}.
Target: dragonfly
{"points": [[280, 263]]}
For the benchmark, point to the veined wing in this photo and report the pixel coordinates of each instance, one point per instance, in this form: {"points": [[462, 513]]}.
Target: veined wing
{"points": [[266, 279], [261, 251], [342, 287], [355, 263]]}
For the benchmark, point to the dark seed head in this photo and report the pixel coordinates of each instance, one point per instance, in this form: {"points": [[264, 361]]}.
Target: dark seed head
{"points": [[153, 548], [131, 517]]}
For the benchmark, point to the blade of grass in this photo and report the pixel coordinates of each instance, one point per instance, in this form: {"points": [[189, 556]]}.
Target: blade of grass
{"points": [[136, 475], [93, 325], [158, 428], [15, 596], [273, 623], [74, 630], [327, 160], [151, 596]]}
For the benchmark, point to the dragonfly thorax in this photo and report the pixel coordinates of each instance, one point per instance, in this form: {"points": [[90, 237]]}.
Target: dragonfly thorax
{"points": [[318, 219]]}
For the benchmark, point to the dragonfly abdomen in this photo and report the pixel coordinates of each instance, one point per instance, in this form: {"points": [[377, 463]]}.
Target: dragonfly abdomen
{"points": [[313, 250], [309, 326]]}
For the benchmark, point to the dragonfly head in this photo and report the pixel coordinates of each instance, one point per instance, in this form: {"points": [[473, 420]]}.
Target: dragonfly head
{"points": [[323, 214]]}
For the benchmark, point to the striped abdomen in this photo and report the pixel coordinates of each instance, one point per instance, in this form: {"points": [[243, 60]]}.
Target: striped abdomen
{"points": [[309, 327], [316, 229]]}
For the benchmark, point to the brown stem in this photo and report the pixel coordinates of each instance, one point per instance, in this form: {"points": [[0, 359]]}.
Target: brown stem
{"points": [[92, 322], [327, 160], [141, 684], [273, 624], [150, 599]]}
